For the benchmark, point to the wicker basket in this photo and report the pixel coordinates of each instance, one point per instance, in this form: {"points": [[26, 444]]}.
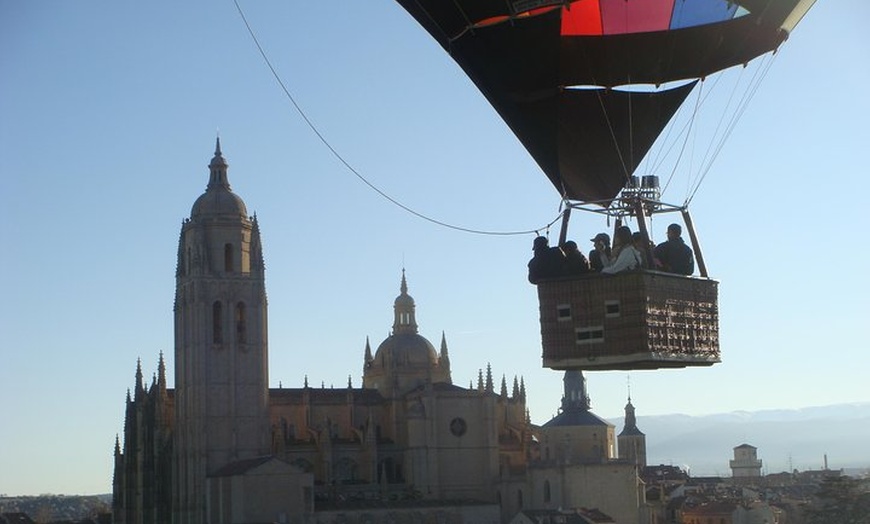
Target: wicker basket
{"points": [[636, 320]]}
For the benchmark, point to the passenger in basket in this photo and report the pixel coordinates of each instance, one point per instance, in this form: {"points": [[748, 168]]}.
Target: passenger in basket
{"points": [[674, 255], [575, 262], [625, 256], [600, 256], [644, 246], [547, 261]]}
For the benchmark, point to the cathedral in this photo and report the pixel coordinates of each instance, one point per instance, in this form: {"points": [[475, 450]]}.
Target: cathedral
{"points": [[407, 446]]}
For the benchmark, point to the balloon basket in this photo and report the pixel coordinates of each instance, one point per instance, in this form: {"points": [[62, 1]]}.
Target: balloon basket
{"points": [[636, 320]]}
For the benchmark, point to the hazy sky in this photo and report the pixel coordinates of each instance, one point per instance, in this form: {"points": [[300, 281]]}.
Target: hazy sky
{"points": [[108, 115]]}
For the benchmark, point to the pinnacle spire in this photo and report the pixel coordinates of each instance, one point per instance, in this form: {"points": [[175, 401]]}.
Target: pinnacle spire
{"points": [[489, 386], [140, 383], [444, 345], [503, 391], [161, 374], [368, 359], [516, 390]]}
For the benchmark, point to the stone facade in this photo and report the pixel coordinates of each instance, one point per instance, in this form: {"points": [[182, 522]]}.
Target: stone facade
{"points": [[222, 447], [746, 463]]}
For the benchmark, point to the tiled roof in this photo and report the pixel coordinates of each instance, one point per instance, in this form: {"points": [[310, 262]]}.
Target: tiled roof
{"points": [[576, 417]]}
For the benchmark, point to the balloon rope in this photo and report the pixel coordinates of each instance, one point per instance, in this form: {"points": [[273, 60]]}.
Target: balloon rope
{"points": [[613, 135], [755, 83], [350, 168], [687, 129]]}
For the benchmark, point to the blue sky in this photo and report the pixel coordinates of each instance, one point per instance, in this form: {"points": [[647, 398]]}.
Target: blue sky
{"points": [[108, 114]]}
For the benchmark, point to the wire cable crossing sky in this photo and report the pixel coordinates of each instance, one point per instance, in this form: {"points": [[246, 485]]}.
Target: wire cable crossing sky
{"points": [[353, 170], [107, 126]]}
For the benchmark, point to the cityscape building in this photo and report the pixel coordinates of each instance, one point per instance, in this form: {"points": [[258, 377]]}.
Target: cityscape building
{"points": [[224, 447]]}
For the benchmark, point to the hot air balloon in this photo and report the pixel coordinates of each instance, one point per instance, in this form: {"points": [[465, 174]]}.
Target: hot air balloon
{"points": [[560, 74]]}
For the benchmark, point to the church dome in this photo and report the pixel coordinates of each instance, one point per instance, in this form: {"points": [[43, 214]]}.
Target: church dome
{"points": [[219, 201], [407, 350]]}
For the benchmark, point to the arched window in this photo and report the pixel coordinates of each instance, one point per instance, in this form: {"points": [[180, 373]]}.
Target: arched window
{"points": [[519, 499], [217, 332], [228, 258], [241, 324], [546, 491]]}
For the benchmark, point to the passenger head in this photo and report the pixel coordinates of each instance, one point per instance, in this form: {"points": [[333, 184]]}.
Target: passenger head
{"points": [[622, 236], [603, 238], [674, 231], [569, 247], [540, 243], [639, 240]]}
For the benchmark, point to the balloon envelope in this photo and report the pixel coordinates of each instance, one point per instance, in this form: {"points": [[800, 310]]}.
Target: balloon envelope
{"points": [[552, 69]]}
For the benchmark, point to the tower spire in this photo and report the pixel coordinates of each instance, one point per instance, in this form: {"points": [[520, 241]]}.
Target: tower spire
{"points": [[575, 397], [404, 321], [218, 169]]}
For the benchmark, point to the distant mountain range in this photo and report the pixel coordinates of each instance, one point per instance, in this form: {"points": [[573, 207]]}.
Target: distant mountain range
{"points": [[786, 439]]}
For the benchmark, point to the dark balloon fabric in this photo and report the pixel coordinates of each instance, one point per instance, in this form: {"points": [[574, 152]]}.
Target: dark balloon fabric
{"points": [[552, 70]]}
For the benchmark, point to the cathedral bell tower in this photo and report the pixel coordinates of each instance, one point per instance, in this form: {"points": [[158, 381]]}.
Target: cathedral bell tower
{"points": [[221, 356], [631, 441]]}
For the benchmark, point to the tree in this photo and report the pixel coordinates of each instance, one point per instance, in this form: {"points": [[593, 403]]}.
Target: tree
{"points": [[840, 500]]}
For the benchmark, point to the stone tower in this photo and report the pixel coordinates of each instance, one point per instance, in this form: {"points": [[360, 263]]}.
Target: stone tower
{"points": [[576, 435], [746, 464], [221, 357], [631, 442]]}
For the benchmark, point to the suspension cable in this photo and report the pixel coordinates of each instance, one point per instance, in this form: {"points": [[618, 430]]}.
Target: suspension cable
{"points": [[354, 171]]}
